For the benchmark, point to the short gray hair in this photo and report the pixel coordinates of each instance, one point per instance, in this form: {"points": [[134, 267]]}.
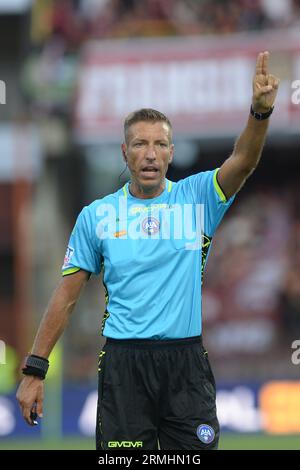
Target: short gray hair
{"points": [[145, 115]]}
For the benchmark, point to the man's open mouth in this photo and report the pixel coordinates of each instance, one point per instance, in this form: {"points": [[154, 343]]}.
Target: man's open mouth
{"points": [[149, 169]]}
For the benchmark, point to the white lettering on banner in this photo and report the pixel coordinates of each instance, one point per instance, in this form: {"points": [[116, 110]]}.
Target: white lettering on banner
{"points": [[2, 92], [296, 354], [295, 84], [203, 85], [2, 352], [295, 98], [195, 86]]}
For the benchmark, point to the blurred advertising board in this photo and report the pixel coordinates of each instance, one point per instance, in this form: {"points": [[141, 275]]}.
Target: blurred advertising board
{"points": [[202, 84], [272, 407], [10, 7], [21, 152]]}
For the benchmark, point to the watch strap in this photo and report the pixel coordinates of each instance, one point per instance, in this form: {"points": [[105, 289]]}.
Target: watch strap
{"points": [[261, 116]]}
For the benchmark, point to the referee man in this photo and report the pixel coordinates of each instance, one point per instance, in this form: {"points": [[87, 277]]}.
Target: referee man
{"points": [[151, 238]]}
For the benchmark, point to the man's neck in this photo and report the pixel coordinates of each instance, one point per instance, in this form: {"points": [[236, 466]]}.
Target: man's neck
{"points": [[141, 192]]}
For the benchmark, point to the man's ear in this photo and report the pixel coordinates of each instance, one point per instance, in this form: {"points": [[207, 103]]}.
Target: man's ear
{"points": [[124, 152], [171, 153]]}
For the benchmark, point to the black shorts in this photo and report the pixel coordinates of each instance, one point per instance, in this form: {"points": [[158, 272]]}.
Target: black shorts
{"points": [[156, 395]]}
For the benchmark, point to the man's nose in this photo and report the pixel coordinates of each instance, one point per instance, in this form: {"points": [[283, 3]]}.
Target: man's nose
{"points": [[150, 153]]}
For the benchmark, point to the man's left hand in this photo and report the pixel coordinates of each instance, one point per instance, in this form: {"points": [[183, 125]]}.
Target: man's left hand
{"points": [[265, 85]]}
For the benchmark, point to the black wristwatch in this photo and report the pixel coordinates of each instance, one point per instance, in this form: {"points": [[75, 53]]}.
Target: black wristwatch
{"points": [[261, 116], [36, 365]]}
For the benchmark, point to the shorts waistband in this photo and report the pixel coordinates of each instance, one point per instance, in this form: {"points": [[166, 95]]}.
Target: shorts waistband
{"points": [[153, 343]]}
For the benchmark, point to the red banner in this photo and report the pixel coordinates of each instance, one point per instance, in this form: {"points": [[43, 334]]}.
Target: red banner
{"points": [[203, 85]]}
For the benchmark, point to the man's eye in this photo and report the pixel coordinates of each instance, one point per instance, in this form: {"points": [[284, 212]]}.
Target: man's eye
{"points": [[163, 144], [138, 144]]}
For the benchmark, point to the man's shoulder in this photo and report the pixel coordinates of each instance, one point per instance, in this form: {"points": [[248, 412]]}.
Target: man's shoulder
{"points": [[199, 174], [199, 177]]}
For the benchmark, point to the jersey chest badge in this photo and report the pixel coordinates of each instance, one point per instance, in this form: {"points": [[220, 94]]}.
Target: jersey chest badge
{"points": [[150, 225]]}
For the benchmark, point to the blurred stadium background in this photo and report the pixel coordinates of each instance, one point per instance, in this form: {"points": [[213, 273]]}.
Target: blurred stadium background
{"points": [[73, 69]]}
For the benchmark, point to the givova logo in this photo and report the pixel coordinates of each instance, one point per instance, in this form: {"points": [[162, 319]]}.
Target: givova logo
{"points": [[2, 92], [205, 433], [125, 444]]}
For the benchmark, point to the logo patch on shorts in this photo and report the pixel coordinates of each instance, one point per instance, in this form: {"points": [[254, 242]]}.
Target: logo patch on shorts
{"points": [[150, 225], [205, 433]]}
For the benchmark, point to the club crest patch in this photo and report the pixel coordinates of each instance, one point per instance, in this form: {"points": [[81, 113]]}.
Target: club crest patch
{"points": [[205, 433], [150, 225]]}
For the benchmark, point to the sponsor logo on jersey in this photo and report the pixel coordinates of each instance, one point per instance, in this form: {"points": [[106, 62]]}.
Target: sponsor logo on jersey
{"points": [[68, 256], [125, 444], [205, 433], [154, 207], [120, 233], [150, 225]]}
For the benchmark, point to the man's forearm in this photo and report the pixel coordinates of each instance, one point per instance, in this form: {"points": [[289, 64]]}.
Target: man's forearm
{"points": [[57, 314], [248, 147], [53, 323], [244, 158]]}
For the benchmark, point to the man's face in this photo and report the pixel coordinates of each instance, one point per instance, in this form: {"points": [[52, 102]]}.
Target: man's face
{"points": [[148, 152]]}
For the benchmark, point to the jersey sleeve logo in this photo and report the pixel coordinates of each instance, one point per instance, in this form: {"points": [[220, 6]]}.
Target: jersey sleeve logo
{"points": [[68, 256]]}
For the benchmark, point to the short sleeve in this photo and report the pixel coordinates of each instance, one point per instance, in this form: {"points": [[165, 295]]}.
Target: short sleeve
{"points": [[83, 251], [207, 191]]}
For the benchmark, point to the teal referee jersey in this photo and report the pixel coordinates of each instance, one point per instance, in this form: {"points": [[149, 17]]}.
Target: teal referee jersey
{"points": [[152, 253]]}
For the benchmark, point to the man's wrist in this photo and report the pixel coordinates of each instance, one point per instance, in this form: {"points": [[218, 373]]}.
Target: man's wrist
{"points": [[258, 108], [36, 366], [259, 113]]}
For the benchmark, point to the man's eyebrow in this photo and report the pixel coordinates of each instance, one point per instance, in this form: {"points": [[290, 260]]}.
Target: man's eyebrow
{"points": [[138, 139]]}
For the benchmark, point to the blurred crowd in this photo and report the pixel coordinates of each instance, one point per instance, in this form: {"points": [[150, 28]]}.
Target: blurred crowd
{"points": [[252, 284], [75, 21]]}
